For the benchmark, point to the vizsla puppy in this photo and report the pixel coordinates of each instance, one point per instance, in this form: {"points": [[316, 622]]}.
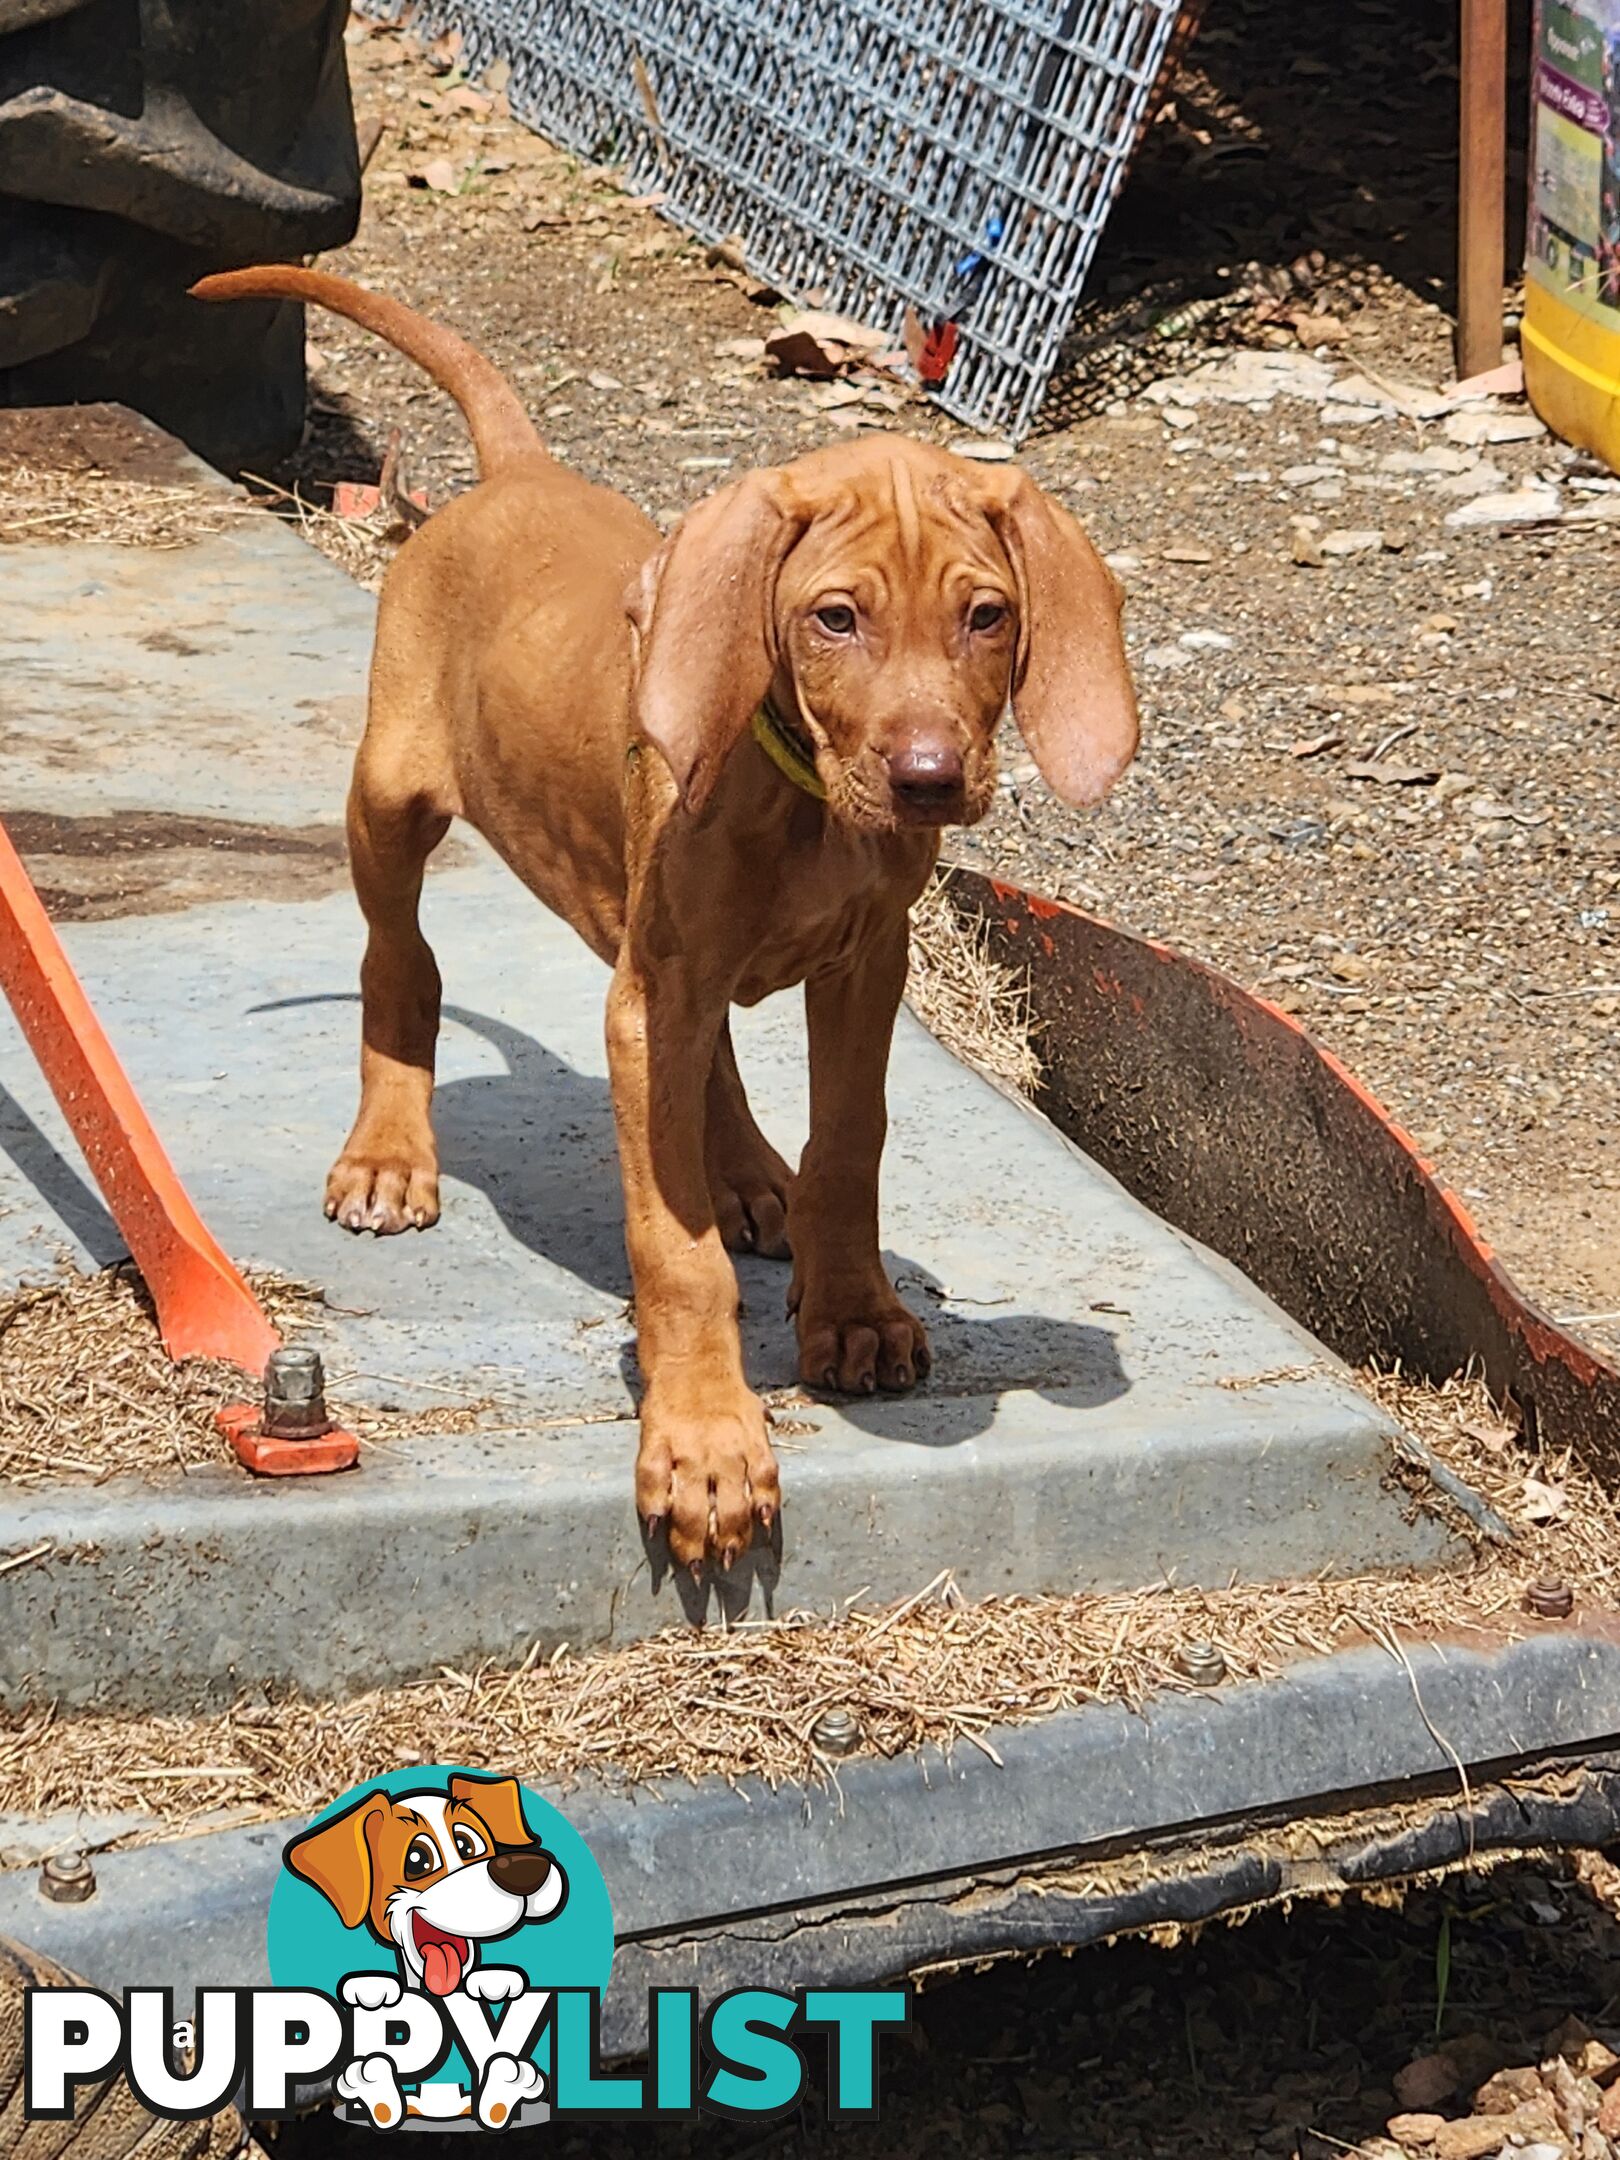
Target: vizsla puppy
{"points": [[725, 757]]}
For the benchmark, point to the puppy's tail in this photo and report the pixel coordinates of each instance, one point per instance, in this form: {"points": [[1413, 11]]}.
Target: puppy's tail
{"points": [[502, 431]]}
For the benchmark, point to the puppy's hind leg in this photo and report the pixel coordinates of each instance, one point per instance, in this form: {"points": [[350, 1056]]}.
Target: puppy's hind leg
{"points": [[749, 1182], [387, 1177]]}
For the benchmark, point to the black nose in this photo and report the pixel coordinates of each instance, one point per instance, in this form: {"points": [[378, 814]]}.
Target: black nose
{"points": [[520, 1872], [925, 775]]}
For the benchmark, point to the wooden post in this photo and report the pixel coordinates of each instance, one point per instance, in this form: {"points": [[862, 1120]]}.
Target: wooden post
{"points": [[1481, 185]]}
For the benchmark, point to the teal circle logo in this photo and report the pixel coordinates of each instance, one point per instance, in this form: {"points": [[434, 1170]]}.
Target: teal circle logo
{"points": [[453, 1884]]}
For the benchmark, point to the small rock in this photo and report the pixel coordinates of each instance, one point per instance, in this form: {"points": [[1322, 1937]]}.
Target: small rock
{"points": [[1508, 2089], [986, 453], [1351, 543], [1303, 475], [1351, 968], [1305, 548], [1519, 506], [1179, 416], [1188, 551], [1474, 428], [1123, 563], [604, 382], [1415, 2129], [1475, 2137], [1167, 657], [1435, 459], [1477, 477], [1205, 641], [1396, 539], [1423, 2084]]}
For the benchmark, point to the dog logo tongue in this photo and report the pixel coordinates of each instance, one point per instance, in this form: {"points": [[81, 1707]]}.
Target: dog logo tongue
{"points": [[444, 1957], [442, 1968]]}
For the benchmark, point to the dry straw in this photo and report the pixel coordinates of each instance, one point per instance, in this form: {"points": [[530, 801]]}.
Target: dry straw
{"points": [[87, 1391], [976, 1005], [49, 504]]}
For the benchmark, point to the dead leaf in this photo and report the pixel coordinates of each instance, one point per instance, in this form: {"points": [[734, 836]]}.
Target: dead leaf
{"points": [[819, 345], [740, 348], [1315, 746], [438, 174], [1543, 1503], [1496, 1439], [648, 97], [1392, 774], [1312, 330], [462, 99], [1504, 381]]}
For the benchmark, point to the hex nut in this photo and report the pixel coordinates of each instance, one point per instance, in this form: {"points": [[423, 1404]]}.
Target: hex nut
{"points": [[67, 1878], [1203, 1664], [295, 1395], [1551, 1597], [836, 1732]]}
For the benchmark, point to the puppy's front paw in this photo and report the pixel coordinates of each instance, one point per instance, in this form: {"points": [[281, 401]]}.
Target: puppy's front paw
{"points": [[371, 1991], [494, 1983], [708, 1474], [383, 1192], [371, 2083], [504, 2087], [857, 1337]]}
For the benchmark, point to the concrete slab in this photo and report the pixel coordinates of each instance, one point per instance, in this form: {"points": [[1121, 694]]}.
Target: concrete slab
{"points": [[1112, 1405]]}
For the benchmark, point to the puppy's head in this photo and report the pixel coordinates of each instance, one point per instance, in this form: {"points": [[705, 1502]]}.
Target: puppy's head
{"points": [[890, 599], [433, 1874]]}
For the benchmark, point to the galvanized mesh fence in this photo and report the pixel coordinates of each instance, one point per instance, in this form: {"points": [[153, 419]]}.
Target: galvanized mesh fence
{"points": [[957, 155]]}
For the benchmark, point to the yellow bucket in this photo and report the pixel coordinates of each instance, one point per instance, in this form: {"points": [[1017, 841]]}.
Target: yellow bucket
{"points": [[1571, 336]]}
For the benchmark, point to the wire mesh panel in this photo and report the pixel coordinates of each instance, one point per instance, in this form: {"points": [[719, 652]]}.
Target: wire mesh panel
{"points": [[957, 155]]}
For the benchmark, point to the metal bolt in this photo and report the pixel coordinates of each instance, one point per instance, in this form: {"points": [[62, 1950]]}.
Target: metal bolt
{"points": [[67, 1878], [295, 1396], [1551, 1597], [1203, 1664], [836, 1732]]}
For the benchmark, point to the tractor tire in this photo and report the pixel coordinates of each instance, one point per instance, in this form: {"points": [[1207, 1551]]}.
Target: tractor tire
{"points": [[144, 143], [108, 2122]]}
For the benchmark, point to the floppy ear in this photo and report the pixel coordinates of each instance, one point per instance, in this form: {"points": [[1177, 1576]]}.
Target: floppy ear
{"points": [[1072, 692], [336, 1858], [500, 1803], [702, 609]]}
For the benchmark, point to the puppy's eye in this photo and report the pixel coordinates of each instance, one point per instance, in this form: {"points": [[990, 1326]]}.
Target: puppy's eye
{"points": [[421, 1859], [988, 615], [836, 618], [469, 1845]]}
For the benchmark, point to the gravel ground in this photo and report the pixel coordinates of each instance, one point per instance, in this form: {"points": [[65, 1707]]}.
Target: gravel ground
{"points": [[1446, 923]]}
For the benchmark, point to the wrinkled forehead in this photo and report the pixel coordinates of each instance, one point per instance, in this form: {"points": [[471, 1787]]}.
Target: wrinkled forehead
{"points": [[894, 525]]}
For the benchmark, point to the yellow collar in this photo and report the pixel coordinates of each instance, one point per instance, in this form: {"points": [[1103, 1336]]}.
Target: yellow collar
{"points": [[784, 752]]}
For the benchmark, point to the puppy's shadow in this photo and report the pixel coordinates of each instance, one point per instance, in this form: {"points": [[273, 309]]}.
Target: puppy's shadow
{"points": [[538, 1141]]}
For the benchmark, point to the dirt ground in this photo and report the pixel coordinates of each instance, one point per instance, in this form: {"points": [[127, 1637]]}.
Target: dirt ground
{"points": [[1447, 924]]}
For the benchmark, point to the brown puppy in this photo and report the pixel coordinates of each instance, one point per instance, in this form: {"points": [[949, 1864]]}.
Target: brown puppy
{"points": [[869, 611]]}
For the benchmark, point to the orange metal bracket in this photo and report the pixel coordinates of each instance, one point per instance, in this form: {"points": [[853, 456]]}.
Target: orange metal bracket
{"points": [[204, 1308]]}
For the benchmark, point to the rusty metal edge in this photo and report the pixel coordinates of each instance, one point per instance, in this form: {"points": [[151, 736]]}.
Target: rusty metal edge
{"points": [[1220, 1112]]}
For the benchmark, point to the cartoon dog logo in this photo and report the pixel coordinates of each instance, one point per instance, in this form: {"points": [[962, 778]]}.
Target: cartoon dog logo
{"points": [[435, 1876]]}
